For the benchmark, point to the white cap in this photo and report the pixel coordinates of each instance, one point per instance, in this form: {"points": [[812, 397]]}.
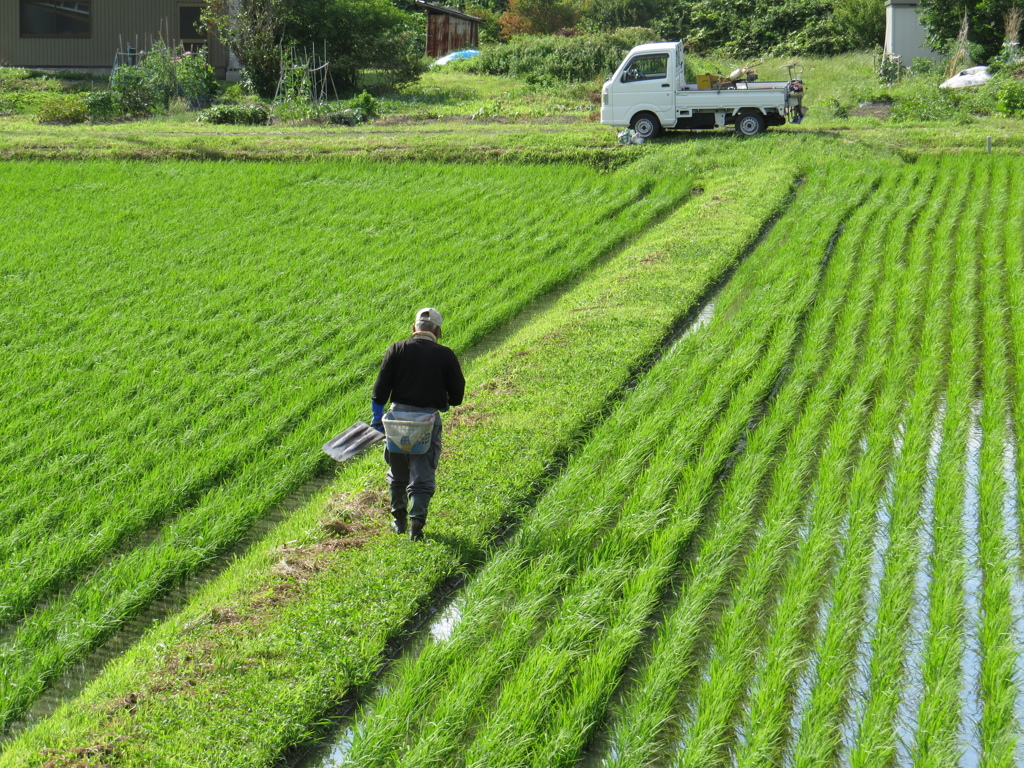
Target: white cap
{"points": [[429, 315]]}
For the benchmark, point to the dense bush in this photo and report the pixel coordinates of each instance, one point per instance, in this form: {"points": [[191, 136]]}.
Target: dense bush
{"points": [[196, 81], [20, 92], [159, 67], [555, 58], [929, 102], [1009, 59], [13, 80], [135, 90], [235, 93], [985, 21], [359, 35], [346, 116], [608, 15], [366, 104], [102, 105], [236, 114], [10, 75], [62, 109], [489, 28], [747, 28], [536, 17], [1010, 96], [163, 74]]}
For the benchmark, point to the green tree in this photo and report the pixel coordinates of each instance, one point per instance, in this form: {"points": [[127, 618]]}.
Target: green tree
{"points": [[536, 17], [986, 21], [490, 27], [704, 25], [787, 27], [255, 33], [749, 28], [608, 15], [360, 35], [861, 23]]}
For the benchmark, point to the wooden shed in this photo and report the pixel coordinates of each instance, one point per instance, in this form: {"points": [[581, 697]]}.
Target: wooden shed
{"points": [[449, 29], [85, 35]]}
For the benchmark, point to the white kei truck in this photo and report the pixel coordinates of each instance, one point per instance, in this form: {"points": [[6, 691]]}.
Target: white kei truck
{"points": [[649, 93]]}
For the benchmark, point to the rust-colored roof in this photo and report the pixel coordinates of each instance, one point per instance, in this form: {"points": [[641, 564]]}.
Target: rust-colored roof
{"points": [[435, 8]]}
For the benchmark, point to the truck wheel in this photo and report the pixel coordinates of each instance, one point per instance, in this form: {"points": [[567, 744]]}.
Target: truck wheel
{"points": [[646, 125], [750, 124]]}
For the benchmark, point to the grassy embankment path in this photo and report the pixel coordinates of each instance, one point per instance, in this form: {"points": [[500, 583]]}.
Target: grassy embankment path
{"points": [[285, 660]]}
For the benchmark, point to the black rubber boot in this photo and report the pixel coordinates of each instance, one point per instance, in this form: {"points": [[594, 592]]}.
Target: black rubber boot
{"points": [[418, 503], [399, 500], [398, 523]]}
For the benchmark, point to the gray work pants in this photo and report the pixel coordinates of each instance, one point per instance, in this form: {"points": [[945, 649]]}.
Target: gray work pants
{"points": [[414, 474]]}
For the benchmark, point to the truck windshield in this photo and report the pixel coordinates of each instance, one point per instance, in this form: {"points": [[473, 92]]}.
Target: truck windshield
{"points": [[654, 67]]}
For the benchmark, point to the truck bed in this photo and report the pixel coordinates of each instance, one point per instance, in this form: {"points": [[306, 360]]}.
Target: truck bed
{"points": [[766, 95]]}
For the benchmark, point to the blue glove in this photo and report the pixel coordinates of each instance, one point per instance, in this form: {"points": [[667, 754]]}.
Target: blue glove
{"points": [[378, 414]]}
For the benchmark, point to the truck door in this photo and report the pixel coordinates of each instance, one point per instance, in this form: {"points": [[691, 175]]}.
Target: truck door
{"points": [[646, 84]]}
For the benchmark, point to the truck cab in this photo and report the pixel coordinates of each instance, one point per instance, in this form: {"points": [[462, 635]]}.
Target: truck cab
{"points": [[649, 93]]}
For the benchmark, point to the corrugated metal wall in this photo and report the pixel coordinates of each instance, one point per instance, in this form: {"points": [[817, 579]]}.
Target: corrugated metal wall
{"points": [[115, 23]]}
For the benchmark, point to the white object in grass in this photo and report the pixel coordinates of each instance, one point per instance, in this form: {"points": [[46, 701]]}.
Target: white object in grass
{"points": [[966, 77]]}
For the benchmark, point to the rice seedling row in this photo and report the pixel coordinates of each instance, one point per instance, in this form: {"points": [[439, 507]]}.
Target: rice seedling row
{"points": [[939, 721], [1013, 231], [642, 724], [1014, 245], [824, 718], [248, 392], [998, 687], [718, 710], [585, 646]]}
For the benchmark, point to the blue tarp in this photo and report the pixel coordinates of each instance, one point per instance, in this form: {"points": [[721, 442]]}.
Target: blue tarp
{"points": [[469, 53]]}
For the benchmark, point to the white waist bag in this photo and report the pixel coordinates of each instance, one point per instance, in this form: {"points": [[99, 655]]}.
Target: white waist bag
{"points": [[409, 431]]}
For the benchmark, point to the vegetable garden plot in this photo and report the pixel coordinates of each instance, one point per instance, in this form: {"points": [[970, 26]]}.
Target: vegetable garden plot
{"points": [[179, 381], [732, 570]]}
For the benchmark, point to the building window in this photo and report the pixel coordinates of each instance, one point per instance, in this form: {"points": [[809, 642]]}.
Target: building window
{"points": [[56, 18], [190, 31]]}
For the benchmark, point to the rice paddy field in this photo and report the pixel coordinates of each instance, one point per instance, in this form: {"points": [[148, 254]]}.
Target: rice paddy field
{"points": [[736, 482]]}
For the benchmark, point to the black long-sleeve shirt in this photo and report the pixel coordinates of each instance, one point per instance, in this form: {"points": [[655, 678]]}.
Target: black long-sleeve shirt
{"points": [[421, 372]]}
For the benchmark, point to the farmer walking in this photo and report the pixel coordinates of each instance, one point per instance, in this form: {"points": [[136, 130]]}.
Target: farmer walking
{"points": [[420, 377]]}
